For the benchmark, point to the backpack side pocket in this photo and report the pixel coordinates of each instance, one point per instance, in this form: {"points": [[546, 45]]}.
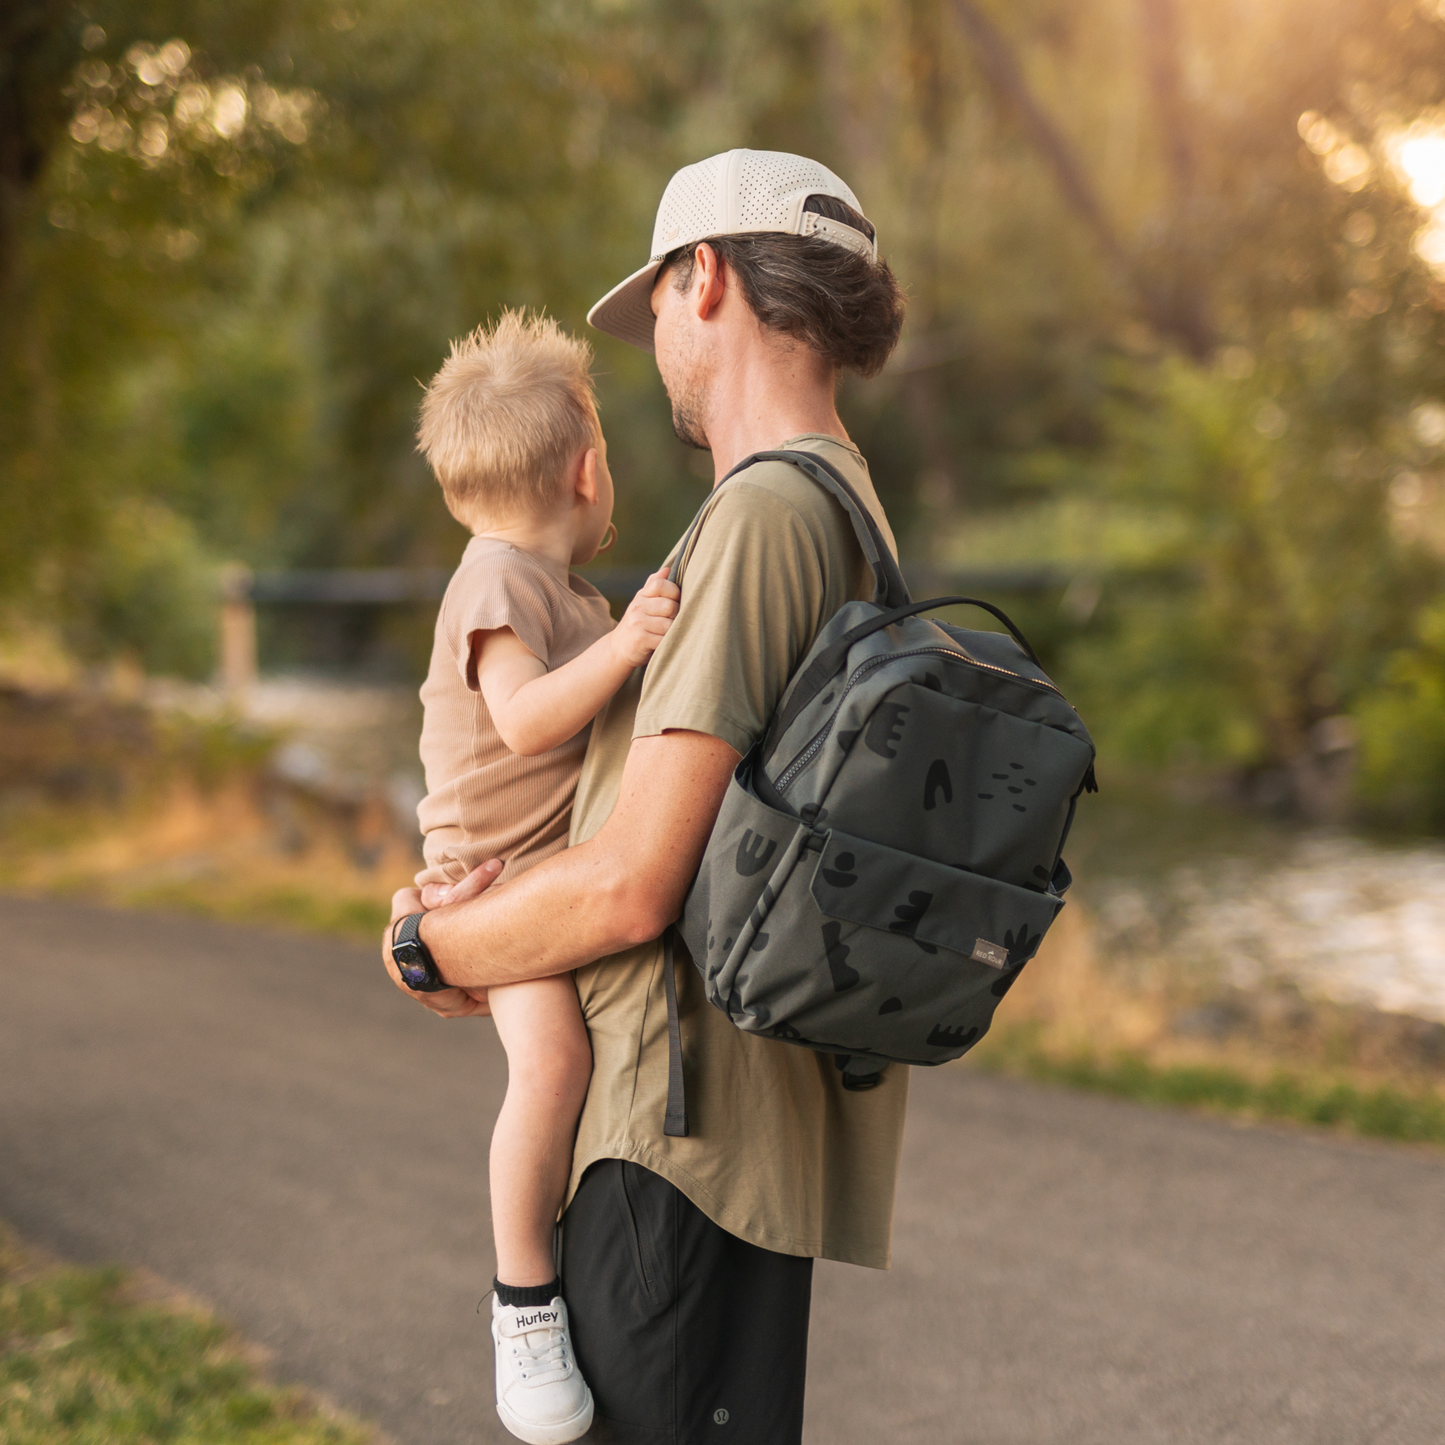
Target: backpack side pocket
{"points": [[752, 853]]}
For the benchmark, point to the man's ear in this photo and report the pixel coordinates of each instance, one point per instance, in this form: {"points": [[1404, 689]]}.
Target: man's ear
{"points": [[708, 286], [584, 476]]}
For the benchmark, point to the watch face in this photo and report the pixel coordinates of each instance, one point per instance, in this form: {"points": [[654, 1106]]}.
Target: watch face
{"points": [[407, 956]]}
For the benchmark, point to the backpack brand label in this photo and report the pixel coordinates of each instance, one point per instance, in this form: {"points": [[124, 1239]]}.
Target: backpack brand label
{"points": [[993, 954]]}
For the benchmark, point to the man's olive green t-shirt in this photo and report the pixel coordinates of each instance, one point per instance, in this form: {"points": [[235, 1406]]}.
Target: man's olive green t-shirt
{"points": [[779, 1153]]}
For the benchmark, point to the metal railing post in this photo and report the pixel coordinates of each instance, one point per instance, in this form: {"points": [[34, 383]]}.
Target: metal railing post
{"points": [[238, 631]]}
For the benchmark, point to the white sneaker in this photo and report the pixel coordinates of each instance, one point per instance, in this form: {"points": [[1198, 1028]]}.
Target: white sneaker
{"points": [[541, 1395]]}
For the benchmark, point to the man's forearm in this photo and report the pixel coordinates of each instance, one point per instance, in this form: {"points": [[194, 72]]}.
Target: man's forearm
{"points": [[559, 915], [621, 888]]}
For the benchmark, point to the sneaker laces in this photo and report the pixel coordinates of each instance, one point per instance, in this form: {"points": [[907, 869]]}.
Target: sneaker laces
{"points": [[544, 1361]]}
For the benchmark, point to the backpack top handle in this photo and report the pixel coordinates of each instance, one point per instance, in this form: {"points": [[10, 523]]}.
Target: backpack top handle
{"points": [[810, 683]]}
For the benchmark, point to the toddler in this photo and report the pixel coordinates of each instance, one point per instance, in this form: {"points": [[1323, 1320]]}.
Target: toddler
{"points": [[526, 654]]}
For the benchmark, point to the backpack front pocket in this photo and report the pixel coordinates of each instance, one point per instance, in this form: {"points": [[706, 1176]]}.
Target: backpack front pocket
{"points": [[823, 938], [988, 921], [867, 950]]}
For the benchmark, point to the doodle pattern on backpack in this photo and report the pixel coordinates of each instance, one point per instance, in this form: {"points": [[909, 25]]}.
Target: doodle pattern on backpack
{"points": [[889, 856]]}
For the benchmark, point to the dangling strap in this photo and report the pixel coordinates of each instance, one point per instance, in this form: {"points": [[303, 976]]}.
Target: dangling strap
{"points": [[674, 1122]]}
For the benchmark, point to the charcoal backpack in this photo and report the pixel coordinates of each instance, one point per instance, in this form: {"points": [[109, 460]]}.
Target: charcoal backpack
{"points": [[889, 855]]}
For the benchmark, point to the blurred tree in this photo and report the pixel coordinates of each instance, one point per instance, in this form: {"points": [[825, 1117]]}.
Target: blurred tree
{"points": [[1278, 464], [1178, 195], [234, 236], [136, 155], [231, 269], [1403, 730], [1277, 583]]}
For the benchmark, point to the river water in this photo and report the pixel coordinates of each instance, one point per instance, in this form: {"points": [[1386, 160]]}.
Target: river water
{"points": [[1339, 916]]}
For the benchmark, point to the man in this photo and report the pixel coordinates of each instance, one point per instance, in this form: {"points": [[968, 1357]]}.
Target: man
{"points": [[688, 1261]]}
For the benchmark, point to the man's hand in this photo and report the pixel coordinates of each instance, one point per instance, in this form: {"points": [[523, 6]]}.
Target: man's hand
{"points": [[616, 890], [645, 623], [449, 1003]]}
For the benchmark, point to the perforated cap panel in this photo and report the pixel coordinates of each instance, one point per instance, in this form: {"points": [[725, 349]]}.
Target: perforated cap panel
{"points": [[741, 191], [768, 181], [734, 193], [690, 207]]}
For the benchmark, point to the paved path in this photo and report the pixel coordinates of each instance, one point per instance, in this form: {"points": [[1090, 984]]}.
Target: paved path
{"points": [[260, 1119]]}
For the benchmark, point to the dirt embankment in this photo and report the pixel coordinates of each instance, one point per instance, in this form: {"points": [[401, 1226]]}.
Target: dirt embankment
{"points": [[121, 801]]}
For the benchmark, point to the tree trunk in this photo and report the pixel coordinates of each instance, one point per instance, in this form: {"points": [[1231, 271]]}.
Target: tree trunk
{"points": [[1005, 76]]}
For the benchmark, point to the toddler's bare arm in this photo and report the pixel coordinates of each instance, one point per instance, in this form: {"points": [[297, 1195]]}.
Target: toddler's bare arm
{"points": [[536, 710]]}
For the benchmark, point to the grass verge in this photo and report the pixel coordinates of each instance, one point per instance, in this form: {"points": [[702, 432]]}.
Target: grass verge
{"points": [[86, 1359], [311, 910], [1380, 1111], [215, 853]]}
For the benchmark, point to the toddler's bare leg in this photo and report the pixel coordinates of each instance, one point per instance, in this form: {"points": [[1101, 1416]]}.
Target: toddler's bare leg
{"points": [[549, 1063]]}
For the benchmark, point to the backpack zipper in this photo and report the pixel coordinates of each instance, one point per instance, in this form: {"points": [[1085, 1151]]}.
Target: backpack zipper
{"points": [[789, 773]]}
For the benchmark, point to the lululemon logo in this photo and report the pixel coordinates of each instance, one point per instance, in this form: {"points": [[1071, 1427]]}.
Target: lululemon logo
{"points": [[719, 1416], [754, 853]]}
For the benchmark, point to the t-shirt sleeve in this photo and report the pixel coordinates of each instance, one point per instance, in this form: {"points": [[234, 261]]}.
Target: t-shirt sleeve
{"points": [[499, 592], [752, 596]]}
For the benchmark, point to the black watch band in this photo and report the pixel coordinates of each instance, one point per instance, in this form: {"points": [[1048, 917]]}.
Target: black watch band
{"points": [[413, 958]]}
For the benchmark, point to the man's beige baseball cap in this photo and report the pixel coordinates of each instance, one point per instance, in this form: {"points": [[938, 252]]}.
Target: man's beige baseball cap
{"points": [[733, 194]]}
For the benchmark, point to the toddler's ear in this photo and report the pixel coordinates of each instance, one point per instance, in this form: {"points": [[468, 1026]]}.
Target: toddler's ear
{"points": [[585, 483]]}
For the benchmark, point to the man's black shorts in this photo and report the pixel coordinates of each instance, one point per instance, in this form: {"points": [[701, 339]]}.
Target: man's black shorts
{"points": [[686, 1334]]}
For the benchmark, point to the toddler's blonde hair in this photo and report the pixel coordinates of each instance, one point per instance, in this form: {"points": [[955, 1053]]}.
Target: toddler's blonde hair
{"points": [[510, 408]]}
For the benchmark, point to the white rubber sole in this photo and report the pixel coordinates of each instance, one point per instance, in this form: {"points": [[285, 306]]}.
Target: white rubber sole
{"points": [[561, 1433]]}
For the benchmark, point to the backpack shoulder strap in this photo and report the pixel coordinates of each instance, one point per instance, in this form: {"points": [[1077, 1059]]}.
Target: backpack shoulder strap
{"points": [[889, 588]]}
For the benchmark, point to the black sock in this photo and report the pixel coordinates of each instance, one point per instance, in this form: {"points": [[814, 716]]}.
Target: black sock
{"points": [[527, 1296]]}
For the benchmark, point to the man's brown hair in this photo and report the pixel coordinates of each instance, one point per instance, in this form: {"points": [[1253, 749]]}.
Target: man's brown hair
{"points": [[843, 304], [504, 417]]}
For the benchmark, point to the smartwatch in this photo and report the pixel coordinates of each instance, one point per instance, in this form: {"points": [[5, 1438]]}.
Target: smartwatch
{"points": [[413, 958]]}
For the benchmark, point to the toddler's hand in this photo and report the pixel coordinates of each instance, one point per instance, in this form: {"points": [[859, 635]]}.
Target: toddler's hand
{"points": [[439, 895], [647, 619]]}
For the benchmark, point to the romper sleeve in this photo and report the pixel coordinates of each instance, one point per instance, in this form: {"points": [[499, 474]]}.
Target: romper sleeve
{"points": [[507, 590]]}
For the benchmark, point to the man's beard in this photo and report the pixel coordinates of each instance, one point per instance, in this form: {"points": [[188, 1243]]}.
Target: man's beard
{"points": [[688, 408]]}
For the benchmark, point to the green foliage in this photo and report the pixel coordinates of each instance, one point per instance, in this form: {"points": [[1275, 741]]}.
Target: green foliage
{"points": [[83, 1363], [1239, 639], [1403, 730], [1163, 275], [149, 592]]}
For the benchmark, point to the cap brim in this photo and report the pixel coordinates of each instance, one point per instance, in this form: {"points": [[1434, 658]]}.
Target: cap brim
{"points": [[626, 310]]}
